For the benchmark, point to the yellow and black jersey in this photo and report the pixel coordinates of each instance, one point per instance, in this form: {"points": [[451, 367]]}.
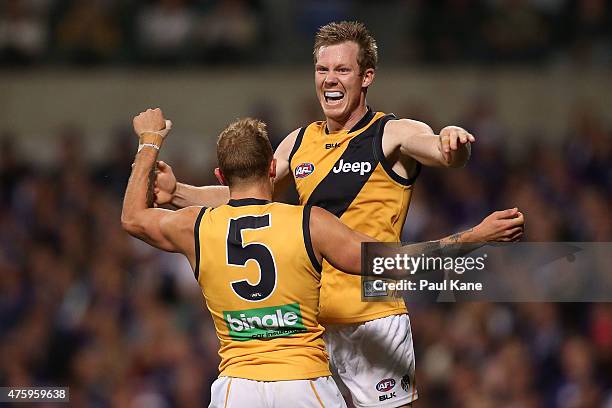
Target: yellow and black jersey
{"points": [[260, 279], [346, 173]]}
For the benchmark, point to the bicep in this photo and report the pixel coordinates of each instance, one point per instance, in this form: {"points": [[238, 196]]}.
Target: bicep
{"points": [[414, 139]]}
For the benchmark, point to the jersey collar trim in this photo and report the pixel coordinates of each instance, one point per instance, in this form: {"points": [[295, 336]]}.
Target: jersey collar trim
{"points": [[363, 122], [247, 201]]}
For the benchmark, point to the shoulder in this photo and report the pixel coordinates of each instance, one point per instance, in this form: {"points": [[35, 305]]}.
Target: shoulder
{"points": [[320, 219], [284, 148], [181, 220]]}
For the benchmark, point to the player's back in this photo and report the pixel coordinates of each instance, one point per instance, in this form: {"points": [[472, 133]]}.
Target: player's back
{"points": [[261, 281]]}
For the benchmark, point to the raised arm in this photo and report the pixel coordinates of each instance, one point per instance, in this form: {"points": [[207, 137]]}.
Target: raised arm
{"points": [[411, 138], [167, 230], [168, 190]]}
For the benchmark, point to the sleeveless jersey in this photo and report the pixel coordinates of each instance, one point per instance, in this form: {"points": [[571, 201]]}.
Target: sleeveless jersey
{"points": [[261, 280], [346, 173]]}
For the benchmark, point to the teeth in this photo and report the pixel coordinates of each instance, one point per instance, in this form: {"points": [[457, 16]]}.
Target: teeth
{"points": [[333, 94]]}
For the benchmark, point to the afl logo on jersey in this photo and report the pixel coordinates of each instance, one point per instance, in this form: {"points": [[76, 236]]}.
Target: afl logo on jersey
{"points": [[304, 170]]}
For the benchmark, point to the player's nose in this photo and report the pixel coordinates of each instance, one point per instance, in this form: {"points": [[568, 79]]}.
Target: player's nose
{"points": [[331, 79]]}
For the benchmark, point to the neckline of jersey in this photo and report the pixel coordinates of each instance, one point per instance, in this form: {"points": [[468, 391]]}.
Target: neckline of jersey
{"points": [[369, 115], [247, 201]]}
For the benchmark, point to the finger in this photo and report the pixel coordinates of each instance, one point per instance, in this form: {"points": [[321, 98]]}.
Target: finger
{"points": [[516, 237], [463, 137], [445, 141], [453, 141], [471, 138], [512, 222], [513, 231], [162, 166], [505, 214]]}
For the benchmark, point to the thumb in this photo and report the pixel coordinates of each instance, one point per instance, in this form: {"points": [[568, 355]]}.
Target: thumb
{"points": [[162, 166], [167, 129]]}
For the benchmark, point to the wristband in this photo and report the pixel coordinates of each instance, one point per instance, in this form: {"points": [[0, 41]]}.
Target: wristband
{"points": [[142, 145]]}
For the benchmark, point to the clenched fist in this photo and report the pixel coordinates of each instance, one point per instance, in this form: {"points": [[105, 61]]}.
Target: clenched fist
{"points": [[501, 226], [152, 121]]}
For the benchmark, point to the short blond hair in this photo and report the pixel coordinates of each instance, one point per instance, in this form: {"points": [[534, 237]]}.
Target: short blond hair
{"points": [[244, 151], [337, 33]]}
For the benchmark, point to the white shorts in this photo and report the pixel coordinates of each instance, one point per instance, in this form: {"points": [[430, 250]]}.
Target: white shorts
{"points": [[231, 392], [374, 361]]}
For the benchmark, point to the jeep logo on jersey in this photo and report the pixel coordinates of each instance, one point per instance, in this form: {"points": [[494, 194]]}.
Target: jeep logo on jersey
{"points": [[357, 167], [304, 170], [385, 385], [265, 322]]}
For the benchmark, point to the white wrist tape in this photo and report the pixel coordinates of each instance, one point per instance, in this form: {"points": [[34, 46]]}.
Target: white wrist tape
{"points": [[142, 145]]}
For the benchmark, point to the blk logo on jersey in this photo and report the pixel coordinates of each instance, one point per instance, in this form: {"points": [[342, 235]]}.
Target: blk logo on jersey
{"points": [[304, 170], [385, 385], [356, 167]]}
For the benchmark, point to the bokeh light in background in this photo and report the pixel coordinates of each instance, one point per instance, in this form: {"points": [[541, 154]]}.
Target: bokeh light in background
{"points": [[84, 305]]}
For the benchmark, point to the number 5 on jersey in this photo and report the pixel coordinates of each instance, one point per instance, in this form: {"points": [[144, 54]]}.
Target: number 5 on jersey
{"points": [[239, 254]]}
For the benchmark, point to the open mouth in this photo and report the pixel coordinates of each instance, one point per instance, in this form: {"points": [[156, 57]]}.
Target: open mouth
{"points": [[333, 97]]}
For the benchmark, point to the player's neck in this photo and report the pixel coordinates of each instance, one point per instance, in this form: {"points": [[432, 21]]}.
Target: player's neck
{"points": [[351, 120], [261, 190]]}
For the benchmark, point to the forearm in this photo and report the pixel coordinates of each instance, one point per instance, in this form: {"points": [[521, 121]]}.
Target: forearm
{"points": [[207, 196], [427, 149], [461, 243], [423, 147], [462, 237], [137, 198]]}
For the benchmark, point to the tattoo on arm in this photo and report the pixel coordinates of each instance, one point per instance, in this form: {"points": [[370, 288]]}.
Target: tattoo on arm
{"points": [[455, 238]]}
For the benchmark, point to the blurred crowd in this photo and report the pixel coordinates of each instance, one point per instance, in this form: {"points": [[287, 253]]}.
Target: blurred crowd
{"points": [[84, 305], [181, 32]]}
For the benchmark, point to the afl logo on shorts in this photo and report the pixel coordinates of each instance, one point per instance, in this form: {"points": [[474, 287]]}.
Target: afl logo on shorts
{"points": [[304, 170], [385, 385]]}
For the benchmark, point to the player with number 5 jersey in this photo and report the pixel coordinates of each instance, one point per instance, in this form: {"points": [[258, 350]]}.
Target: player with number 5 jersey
{"points": [[260, 278]]}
